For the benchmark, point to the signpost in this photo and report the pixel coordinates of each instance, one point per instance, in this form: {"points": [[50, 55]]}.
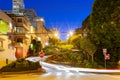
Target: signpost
{"points": [[104, 51], [106, 56], [41, 55]]}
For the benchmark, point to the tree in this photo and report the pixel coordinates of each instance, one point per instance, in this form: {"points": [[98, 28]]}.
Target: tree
{"points": [[54, 41], [35, 47], [75, 40], [88, 47], [104, 29]]}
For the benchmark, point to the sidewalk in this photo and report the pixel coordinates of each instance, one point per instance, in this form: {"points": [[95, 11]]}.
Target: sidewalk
{"points": [[8, 54], [3, 63]]}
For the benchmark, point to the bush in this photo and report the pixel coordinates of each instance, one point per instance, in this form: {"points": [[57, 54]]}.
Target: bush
{"points": [[111, 64], [51, 51], [75, 59], [21, 65]]}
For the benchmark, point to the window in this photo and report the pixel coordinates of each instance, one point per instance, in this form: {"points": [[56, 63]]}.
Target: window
{"points": [[19, 40], [19, 20], [13, 19], [1, 46], [15, 6], [18, 30], [1, 43]]}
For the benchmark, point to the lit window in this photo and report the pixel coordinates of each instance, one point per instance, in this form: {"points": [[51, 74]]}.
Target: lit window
{"points": [[14, 6], [19, 30], [10, 25]]}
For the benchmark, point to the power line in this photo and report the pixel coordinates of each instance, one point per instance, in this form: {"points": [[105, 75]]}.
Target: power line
{"points": [[31, 33], [38, 33]]}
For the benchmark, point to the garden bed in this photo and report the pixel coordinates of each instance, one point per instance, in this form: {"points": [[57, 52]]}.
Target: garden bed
{"points": [[22, 66]]}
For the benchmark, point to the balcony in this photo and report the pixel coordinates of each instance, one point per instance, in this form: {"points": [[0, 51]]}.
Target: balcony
{"points": [[23, 25], [21, 35]]}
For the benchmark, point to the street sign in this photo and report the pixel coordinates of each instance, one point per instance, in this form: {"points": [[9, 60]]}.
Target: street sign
{"points": [[104, 50], [107, 56], [41, 54]]}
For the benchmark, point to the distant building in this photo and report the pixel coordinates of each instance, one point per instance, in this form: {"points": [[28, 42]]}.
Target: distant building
{"points": [[41, 31], [31, 15], [17, 6]]}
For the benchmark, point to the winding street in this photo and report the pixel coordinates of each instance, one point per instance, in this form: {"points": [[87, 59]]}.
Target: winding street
{"points": [[60, 72]]}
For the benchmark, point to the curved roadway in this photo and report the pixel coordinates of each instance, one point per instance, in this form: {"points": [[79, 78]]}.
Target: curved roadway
{"points": [[60, 72]]}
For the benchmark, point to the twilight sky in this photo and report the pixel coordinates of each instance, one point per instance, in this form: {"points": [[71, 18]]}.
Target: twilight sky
{"points": [[62, 14]]}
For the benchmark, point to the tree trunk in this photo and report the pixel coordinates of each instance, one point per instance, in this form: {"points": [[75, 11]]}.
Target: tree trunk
{"points": [[92, 58]]}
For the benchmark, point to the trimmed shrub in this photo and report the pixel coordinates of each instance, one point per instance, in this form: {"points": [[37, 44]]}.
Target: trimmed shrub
{"points": [[21, 65]]}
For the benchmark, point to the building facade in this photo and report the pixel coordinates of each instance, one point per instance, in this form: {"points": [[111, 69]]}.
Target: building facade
{"points": [[6, 49], [31, 15], [19, 9], [18, 27], [41, 31], [22, 32]]}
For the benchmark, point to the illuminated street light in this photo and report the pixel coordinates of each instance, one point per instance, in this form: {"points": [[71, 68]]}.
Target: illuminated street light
{"points": [[71, 33], [56, 34]]}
